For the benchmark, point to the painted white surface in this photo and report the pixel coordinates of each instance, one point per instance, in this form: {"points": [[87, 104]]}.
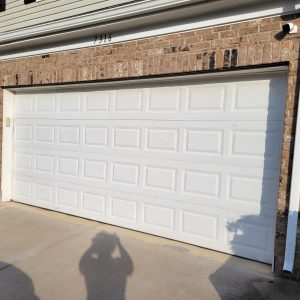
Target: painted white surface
{"points": [[7, 146], [291, 238], [18, 16], [196, 162], [142, 21]]}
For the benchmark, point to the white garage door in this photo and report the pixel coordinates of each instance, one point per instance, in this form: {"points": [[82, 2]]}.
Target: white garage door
{"points": [[197, 162]]}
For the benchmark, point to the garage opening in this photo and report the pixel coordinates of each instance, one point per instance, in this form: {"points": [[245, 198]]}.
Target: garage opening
{"points": [[195, 160]]}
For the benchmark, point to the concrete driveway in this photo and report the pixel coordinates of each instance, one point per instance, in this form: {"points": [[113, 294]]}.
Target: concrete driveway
{"points": [[47, 255]]}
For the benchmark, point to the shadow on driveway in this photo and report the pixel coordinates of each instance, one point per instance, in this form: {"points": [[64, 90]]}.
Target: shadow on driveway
{"points": [[106, 275], [22, 287]]}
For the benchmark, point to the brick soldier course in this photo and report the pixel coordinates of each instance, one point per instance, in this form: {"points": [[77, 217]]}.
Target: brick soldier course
{"points": [[246, 44]]}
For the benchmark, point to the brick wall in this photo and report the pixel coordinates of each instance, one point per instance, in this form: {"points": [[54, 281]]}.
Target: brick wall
{"points": [[225, 47]]}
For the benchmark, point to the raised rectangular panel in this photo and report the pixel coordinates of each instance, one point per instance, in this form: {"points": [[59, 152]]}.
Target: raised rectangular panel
{"points": [[45, 134], [22, 189], [67, 197], [164, 99], [96, 136], [255, 190], [251, 96], [24, 104], [23, 133], [70, 103], [124, 209], [125, 173], [23, 161], [127, 137], [159, 216], [94, 169], [97, 102], [250, 143], [199, 224], [253, 235], [203, 141], [43, 192], [128, 101], [45, 103], [160, 178], [206, 97], [201, 183], [162, 139], [69, 135], [44, 163], [94, 202], [68, 166]]}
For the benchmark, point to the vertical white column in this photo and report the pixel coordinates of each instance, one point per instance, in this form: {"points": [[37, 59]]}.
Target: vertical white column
{"points": [[291, 238], [7, 146]]}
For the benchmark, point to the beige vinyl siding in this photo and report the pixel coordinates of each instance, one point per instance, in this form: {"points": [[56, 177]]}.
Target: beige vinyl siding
{"points": [[18, 15]]}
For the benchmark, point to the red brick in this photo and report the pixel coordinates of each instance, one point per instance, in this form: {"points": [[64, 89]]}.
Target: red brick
{"points": [[248, 30]]}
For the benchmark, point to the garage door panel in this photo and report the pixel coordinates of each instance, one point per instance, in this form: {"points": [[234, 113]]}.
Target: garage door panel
{"points": [[23, 133], [44, 104], [166, 217], [37, 194], [44, 163], [173, 99], [208, 97], [96, 102], [22, 189], [246, 144], [193, 162], [158, 216], [44, 134], [261, 143], [199, 224], [24, 105], [94, 169], [94, 202], [95, 136], [67, 198], [249, 233], [260, 96], [127, 101], [69, 103], [208, 184], [43, 193], [23, 162], [232, 100], [122, 208]]}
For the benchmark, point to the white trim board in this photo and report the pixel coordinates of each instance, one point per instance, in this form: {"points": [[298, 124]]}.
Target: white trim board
{"points": [[7, 146], [291, 238], [134, 28]]}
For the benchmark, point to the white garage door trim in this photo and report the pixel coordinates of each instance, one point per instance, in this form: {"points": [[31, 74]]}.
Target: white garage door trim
{"points": [[150, 203]]}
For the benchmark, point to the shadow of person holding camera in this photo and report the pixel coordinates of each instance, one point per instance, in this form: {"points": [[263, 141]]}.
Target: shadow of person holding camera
{"points": [[106, 275]]}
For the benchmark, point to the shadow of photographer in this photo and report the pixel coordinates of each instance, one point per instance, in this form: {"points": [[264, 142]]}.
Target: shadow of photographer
{"points": [[106, 275]]}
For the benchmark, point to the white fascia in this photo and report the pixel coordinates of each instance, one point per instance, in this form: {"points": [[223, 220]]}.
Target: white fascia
{"points": [[291, 238]]}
